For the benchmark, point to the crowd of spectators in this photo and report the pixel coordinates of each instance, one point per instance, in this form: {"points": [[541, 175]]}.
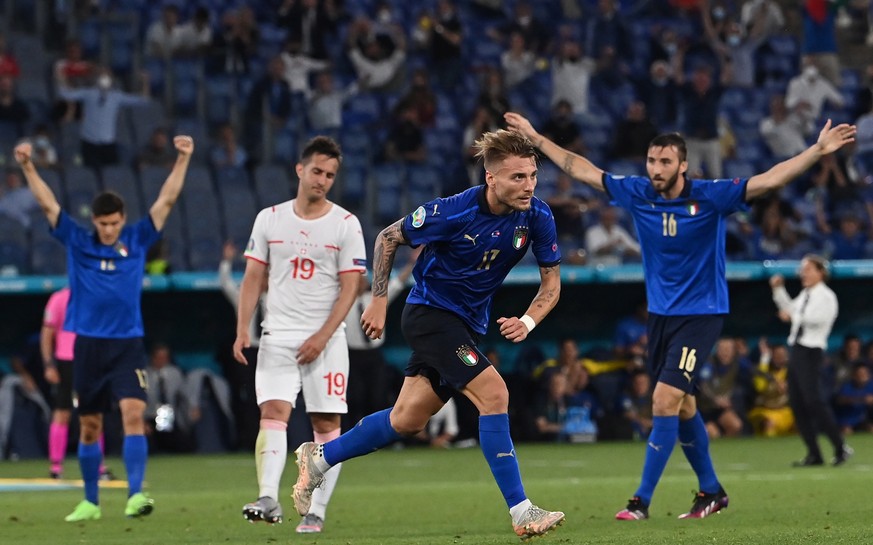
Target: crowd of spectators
{"points": [[422, 80]]}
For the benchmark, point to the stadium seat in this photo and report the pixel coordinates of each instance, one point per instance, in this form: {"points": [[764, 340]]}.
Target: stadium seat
{"points": [[272, 185], [48, 257], [204, 253], [123, 180], [239, 210], [352, 185], [151, 180], [198, 178], [389, 180], [202, 214], [737, 168]]}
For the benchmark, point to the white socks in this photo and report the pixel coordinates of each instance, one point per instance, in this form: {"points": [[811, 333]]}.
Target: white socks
{"points": [[517, 511], [321, 495], [271, 452]]}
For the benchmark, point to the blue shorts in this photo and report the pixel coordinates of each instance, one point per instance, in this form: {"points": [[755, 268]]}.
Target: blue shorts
{"points": [[680, 345], [443, 349], [106, 370]]}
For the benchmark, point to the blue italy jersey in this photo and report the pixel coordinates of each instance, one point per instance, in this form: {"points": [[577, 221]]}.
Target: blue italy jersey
{"points": [[469, 251], [105, 281], [682, 240]]}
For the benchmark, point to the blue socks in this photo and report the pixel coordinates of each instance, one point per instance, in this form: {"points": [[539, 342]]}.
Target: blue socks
{"points": [[89, 463], [135, 453], [695, 445], [371, 433], [662, 439], [500, 454]]}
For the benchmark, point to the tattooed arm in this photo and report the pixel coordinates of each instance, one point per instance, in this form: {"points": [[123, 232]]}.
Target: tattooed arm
{"points": [[515, 329], [373, 318], [575, 165]]}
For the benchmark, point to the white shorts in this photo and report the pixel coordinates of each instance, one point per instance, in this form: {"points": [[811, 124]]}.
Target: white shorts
{"points": [[324, 381]]}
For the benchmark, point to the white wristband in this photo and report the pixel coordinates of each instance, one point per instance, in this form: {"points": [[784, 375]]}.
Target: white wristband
{"points": [[529, 322]]}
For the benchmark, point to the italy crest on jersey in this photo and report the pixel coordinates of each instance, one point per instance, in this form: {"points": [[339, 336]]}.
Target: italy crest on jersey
{"points": [[467, 355], [418, 217], [693, 208], [121, 249], [519, 238]]}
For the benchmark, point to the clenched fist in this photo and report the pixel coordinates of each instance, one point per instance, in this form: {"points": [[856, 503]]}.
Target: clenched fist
{"points": [[184, 144], [23, 152]]}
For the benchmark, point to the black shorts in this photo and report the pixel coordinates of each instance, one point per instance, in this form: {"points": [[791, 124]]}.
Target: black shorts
{"points": [[680, 345], [106, 370], [443, 349], [64, 388]]}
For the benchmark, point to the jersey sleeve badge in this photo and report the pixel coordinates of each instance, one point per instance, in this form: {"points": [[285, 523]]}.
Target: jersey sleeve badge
{"points": [[418, 217]]}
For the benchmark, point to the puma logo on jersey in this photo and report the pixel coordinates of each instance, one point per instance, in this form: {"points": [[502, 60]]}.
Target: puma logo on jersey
{"points": [[656, 448], [510, 454], [471, 239], [687, 376], [304, 233]]}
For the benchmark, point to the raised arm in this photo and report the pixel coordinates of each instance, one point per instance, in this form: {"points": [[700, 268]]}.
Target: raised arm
{"points": [[575, 165], [41, 191], [373, 318], [830, 139], [517, 329], [173, 185]]}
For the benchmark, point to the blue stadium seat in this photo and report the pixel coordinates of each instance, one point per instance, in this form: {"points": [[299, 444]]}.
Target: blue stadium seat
{"points": [[272, 184], [389, 180], [204, 253], [230, 178], [284, 147], [13, 256], [220, 99], [202, 214], [362, 109], [352, 185], [151, 179], [784, 45], [738, 168], [198, 178], [144, 119], [82, 186], [423, 183], [238, 211], [123, 181], [89, 35], [48, 257]]}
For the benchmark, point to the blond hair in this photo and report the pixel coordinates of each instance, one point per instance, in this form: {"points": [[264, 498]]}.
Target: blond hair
{"points": [[497, 145]]}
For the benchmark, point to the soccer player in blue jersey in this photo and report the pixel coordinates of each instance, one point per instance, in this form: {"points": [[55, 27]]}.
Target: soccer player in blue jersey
{"points": [[105, 269], [471, 242], [681, 226]]}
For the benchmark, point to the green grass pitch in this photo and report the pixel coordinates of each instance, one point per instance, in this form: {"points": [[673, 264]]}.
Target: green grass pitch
{"points": [[421, 496]]}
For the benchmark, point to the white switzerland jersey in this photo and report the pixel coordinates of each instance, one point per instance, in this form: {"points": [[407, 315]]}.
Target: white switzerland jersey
{"points": [[305, 259]]}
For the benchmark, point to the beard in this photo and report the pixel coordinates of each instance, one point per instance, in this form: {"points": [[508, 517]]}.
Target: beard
{"points": [[667, 185]]}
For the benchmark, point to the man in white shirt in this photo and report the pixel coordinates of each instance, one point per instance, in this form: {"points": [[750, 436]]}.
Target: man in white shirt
{"points": [[783, 129], [607, 242], [571, 75], [811, 314], [310, 254], [807, 93], [163, 36]]}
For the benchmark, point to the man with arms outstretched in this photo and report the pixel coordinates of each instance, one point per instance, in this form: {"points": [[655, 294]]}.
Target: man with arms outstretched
{"points": [[681, 226]]}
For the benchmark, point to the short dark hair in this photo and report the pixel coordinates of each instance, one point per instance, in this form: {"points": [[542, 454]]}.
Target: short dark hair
{"points": [[669, 140], [322, 145], [498, 145], [107, 203]]}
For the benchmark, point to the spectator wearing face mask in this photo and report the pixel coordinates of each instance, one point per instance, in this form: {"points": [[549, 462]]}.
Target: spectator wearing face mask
{"points": [[101, 105], [808, 92]]}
